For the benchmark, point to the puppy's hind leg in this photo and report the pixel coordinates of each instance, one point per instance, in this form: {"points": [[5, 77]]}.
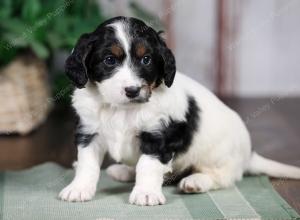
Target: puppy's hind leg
{"points": [[121, 172], [208, 179], [196, 183]]}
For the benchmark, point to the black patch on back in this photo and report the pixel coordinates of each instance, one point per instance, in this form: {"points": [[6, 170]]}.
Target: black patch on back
{"points": [[174, 137], [82, 138]]}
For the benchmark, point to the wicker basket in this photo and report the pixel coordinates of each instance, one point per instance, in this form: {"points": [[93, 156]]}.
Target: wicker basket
{"points": [[24, 96]]}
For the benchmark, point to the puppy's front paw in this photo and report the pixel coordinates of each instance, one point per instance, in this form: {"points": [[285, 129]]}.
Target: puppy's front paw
{"points": [[77, 193], [143, 197]]}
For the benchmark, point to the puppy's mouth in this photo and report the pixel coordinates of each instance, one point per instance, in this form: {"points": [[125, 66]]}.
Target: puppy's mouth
{"points": [[139, 100]]}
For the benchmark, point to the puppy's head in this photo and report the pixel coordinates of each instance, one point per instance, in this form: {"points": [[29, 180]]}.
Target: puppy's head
{"points": [[124, 58]]}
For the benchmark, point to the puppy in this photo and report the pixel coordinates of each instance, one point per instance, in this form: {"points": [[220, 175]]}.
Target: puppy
{"points": [[131, 105]]}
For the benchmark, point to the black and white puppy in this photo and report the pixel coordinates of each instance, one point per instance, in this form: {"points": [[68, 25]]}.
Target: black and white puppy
{"points": [[131, 105]]}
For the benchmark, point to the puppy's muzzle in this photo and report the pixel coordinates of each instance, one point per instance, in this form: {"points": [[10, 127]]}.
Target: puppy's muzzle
{"points": [[132, 91], [139, 94]]}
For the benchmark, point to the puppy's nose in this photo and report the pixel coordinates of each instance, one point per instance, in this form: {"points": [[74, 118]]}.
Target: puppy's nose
{"points": [[132, 91]]}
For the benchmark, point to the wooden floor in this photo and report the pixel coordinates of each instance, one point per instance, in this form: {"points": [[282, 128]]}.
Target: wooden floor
{"points": [[274, 124]]}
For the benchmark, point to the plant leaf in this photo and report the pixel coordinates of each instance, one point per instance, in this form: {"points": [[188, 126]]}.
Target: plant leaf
{"points": [[39, 49], [30, 11], [5, 9]]}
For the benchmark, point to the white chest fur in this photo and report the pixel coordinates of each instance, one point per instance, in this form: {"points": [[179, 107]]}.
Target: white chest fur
{"points": [[119, 132]]}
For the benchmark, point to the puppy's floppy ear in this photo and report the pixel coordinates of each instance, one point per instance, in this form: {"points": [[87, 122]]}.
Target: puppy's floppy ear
{"points": [[169, 63], [75, 67]]}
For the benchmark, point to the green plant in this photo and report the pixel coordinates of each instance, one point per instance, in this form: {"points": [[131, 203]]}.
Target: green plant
{"points": [[44, 26]]}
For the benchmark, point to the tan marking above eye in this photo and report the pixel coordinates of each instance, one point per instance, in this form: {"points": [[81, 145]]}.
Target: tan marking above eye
{"points": [[117, 50], [140, 50]]}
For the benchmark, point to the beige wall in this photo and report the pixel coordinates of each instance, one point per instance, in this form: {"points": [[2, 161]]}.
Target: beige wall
{"points": [[268, 48]]}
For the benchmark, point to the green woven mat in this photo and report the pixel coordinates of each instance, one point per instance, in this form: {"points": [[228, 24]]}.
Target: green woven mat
{"points": [[32, 194]]}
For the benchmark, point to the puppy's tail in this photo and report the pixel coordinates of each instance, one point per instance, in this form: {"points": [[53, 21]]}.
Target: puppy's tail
{"points": [[261, 165]]}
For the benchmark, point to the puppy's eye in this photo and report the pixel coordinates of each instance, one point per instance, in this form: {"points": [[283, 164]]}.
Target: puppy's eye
{"points": [[146, 60], [110, 61]]}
